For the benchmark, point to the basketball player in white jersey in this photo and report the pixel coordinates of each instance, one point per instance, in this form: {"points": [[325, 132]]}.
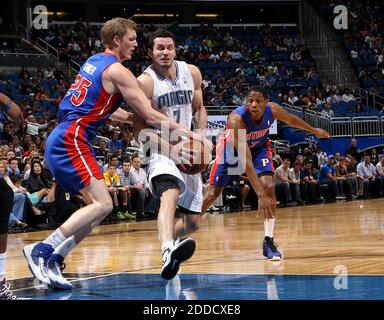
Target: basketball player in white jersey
{"points": [[174, 88]]}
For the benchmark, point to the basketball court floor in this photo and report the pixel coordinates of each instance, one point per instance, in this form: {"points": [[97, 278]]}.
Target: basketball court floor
{"points": [[331, 251]]}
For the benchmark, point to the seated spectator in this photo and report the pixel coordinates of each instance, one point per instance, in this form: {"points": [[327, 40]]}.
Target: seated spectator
{"points": [[357, 181], [374, 157], [13, 169], [347, 96], [19, 151], [344, 185], [251, 70], [28, 204], [320, 101], [102, 150], [352, 150], [338, 97], [327, 176], [368, 171], [127, 182], [310, 188], [112, 181], [277, 161], [17, 216], [294, 175], [282, 182], [114, 159], [139, 191], [330, 87], [292, 97], [327, 111], [331, 99], [10, 154], [114, 144], [37, 181]]}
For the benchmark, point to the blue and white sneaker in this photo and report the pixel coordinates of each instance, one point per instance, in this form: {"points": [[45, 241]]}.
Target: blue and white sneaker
{"points": [[181, 251], [270, 249], [55, 267], [37, 256]]}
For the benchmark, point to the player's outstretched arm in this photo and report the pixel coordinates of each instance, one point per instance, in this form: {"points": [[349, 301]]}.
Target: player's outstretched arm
{"points": [[127, 85], [237, 130], [12, 110], [280, 114]]}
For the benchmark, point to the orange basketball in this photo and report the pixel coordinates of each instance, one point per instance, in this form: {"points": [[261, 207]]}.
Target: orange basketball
{"points": [[200, 162]]}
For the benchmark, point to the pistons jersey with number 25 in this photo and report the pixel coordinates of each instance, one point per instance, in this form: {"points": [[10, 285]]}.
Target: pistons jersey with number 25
{"points": [[86, 101]]}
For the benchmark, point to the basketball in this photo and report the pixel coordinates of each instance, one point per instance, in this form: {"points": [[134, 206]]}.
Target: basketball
{"points": [[201, 161]]}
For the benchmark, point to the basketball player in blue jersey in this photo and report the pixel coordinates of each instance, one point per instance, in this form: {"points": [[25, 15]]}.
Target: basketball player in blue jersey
{"points": [[174, 89], [253, 120], [6, 200], [96, 95]]}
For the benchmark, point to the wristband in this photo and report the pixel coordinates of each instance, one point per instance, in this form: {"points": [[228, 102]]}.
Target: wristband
{"points": [[7, 107]]}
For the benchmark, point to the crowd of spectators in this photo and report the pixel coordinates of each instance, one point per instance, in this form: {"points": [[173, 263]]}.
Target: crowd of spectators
{"points": [[230, 62], [363, 39]]}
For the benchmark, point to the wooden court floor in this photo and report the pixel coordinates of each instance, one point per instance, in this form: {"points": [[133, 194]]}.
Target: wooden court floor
{"points": [[313, 239]]}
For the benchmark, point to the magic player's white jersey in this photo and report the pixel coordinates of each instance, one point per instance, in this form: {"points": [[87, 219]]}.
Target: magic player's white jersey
{"points": [[174, 98]]}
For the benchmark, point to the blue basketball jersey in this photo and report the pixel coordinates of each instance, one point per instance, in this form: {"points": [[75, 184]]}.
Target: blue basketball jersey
{"points": [[86, 102], [258, 142], [257, 134]]}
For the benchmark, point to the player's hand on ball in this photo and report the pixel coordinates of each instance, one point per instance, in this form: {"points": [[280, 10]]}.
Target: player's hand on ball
{"points": [[320, 133], [196, 155]]}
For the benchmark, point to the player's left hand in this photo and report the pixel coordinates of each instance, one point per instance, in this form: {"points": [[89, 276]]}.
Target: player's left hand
{"points": [[320, 133]]}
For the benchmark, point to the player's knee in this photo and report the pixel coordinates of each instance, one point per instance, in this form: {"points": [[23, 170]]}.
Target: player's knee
{"points": [[105, 207]]}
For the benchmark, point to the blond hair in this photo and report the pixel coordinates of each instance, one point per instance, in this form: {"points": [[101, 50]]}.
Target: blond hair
{"points": [[115, 27]]}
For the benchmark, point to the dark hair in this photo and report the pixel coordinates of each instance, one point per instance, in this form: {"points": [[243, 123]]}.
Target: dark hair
{"points": [[259, 89], [285, 159], [110, 164], [33, 174], [135, 155], [113, 155], [126, 159], [161, 33]]}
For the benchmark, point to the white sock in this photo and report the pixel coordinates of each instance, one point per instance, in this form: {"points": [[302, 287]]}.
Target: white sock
{"points": [[55, 239], [269, 226], [3, 258], [66, 247], [166, 244]]}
